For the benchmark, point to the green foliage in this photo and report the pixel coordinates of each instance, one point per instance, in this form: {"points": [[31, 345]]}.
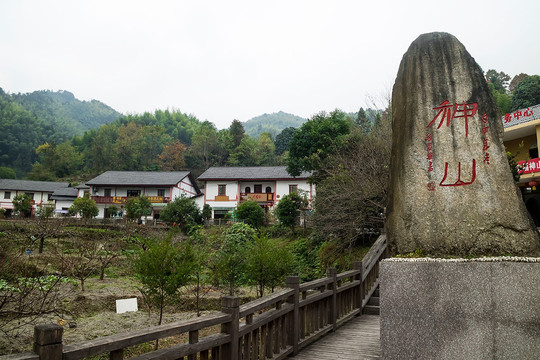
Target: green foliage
{"points": [[319, 137], [237, 132], [85, 207], [268, 262], [527, 93], [499, 80], [206, 213], [251, 213], [7, 173], [22, 205], [288, 209], [231, 257], [138, 206], [182, 212], [283, 139], [162, 269], [272, 123], [363, 122], [45, 211]]}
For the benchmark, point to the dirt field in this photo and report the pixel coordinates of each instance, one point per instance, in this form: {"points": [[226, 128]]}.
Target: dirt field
{"points": [[92, 314]]}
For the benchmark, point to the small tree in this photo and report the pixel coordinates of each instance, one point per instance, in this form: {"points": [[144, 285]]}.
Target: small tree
{"points": [[288, 210], [251, 213], [136, 207], [182, 212], [206, 212], [231, 257], [80, 260], [22, 205], [44, 226], [162, 270], [85, 207], [268, 261]]}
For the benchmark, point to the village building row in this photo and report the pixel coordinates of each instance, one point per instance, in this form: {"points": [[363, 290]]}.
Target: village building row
{"points": [[224, 189]]}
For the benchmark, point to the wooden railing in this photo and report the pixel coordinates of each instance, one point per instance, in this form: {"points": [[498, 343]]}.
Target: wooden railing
{"points": [[271, 327]]}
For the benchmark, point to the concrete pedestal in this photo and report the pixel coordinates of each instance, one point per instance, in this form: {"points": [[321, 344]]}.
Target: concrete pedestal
{"points": [[460, 309]]}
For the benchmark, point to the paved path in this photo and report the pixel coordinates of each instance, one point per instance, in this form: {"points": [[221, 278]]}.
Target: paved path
{"points": [[357, 339]]}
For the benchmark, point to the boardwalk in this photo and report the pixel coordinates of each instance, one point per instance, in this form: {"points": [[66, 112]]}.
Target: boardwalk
{"points": [[357, 339]]}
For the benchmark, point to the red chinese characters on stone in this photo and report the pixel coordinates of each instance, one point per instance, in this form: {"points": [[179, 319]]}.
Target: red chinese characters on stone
{"points": [[429, 146], [485, 130], [454, 111], [459, 182], [446, 113]]}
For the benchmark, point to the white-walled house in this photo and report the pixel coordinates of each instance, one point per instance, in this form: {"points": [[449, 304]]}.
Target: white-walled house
{"points": [[40, 192], [112, 188], [226, 187]]}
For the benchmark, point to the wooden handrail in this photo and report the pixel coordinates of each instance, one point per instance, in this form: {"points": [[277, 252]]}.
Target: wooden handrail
{"points": [[272, 327]]}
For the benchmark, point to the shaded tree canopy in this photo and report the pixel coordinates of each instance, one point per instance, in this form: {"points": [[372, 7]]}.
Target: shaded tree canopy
{"points": [[316, 140], [527, 93], [283, 139]]}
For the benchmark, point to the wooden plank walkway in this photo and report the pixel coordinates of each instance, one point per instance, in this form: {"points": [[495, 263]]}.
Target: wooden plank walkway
{"points": [[357, 339]]}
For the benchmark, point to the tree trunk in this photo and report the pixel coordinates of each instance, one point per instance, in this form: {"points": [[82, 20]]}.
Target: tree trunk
{"points": [[102, 273], [41, 243]]}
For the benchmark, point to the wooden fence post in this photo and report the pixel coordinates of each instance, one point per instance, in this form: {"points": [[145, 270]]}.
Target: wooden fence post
{"points": [[332, 314], [293, 282], [48, 341], [231, 305], [359, 294]]}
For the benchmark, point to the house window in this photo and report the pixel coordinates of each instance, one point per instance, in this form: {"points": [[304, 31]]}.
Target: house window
{"points": [[107, 192], [133, 193], [248, 189], [257, 189], [30, 195], [7, 194], [222, 190], [293, 189], [160, 192], [268, 190], [49, 197], [533, 151]]}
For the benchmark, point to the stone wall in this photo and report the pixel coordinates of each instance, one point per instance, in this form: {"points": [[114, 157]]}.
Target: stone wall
{"points": [[460, 309]]}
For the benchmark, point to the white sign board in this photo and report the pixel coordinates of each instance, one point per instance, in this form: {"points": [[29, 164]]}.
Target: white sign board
{"points": [[125, 305]]}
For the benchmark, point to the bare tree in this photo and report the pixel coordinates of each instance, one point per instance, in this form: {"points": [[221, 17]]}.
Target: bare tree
{"points": [[352, 195]]}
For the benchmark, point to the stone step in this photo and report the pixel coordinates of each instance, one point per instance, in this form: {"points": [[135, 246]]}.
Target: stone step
{"points": [[371, 310], [374, 300], [376, 292]]}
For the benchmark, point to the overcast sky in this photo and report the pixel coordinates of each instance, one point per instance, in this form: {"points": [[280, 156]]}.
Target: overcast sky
{"points": [[226, 60]]}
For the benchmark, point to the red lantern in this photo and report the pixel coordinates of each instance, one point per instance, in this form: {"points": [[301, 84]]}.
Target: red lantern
{"points": [[533, 183]]}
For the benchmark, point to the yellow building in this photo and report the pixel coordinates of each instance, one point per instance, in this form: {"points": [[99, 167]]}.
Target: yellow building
{"points": [[523, 127]]}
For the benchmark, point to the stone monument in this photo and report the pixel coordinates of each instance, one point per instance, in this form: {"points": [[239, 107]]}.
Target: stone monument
{"points": [[451, 189], [451, 195]]}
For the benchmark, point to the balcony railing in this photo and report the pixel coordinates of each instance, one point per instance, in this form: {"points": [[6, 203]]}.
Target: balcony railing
{"points": [[123, 199], [259, 197]]}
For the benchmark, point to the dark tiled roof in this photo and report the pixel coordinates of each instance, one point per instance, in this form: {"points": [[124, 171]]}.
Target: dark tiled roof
{"points": [[522, 116], [250, 173], [157, 178], [65, 194], [28, 185]]}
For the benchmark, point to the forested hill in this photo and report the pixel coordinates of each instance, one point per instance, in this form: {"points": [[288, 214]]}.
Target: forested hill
{"points": [[272, 123], [66, 114], [29, 120]]}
